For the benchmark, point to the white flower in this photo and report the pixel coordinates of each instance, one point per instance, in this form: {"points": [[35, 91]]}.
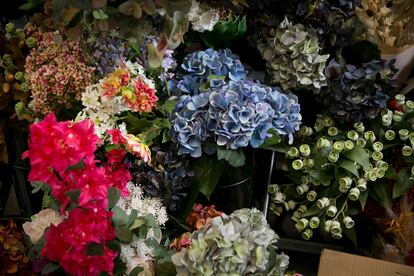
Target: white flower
{"points": [[202, 18]]}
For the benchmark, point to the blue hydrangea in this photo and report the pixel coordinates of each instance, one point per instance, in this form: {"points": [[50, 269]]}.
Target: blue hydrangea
{"points": [[205, 70]]}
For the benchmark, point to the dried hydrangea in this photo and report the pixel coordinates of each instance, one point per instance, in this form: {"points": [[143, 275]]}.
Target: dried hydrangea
{"points": [[358, 92], [238, 244], [292, 57], [107, 53], [167, 177], [57, 73], [202, 17]]}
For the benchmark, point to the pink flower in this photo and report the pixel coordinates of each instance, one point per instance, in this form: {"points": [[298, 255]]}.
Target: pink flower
{"points": [[67, 243], [35, 228], [132, 144], [142, 99]]}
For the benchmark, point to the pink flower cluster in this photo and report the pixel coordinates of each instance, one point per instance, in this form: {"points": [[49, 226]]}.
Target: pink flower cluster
{"points": [[136, 93], [56, 72], [62, 156]]}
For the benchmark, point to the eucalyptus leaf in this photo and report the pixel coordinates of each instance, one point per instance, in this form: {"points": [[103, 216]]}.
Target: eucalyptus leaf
{"points": [[137, 223], [349, 166], [313, 210], [119, 216], [358, 155], [235, 158], [123, 234], [113, 197], [363, 197], [403, 183], [380, 188]]}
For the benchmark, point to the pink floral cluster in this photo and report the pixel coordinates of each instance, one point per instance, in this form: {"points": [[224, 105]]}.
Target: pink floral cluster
{"points": [[62, 156], [56, 72], [132, 144], [136, 93]]}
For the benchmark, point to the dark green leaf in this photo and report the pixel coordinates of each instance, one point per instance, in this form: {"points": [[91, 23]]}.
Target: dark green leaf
{"points": [[31, 4], [138, 124], [49, 268], [165, 268], [135, 271], [403, 184], [137, 223], [313, 210], [114, 245], [161, 122], [165, 136], [78, 166], [235, 158], [207, 171], [391, 174], [73, 194], [99, 14], [350, 234], [150, 221], [123, 234], [363, 198], [151, 242], [358, 155], [132, 217], [380, 189], [168, 105], [150, 134], [119, 216], [37, 186], [95, 249], [349, 166], [113, 197]]}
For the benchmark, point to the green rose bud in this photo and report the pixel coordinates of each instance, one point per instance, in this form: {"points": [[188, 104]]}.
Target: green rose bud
{"points": [[323, 202], [278, 197], [361, 184], [352, 135], [328, 225], [297, 164], [333, 156], [343, 189], [400, 98], [307, 234], [349, 144], [361, 142], [382, 165], [311, 196], [339, 146], [291, 204], [305, 131], [305, 179], [404, 134], [332, 210], [345, 182], [302, 224], [337, 236], [327, 121], [10, 27], [370, 175], [293, 152], [370, 136], [332, 131], [354, 194], [314, 222], [318, 125], [389, 135], [412, 170], [302, 209], [31, 42], [377, 155], [378, 146], [308, 163], [296, 216], [323, 143], [316, 181], [24, 87], [326, 182], [359, 126], [302, 188], [398, 116], [407, 151], [304, 150], [336, 227], [409, 106], [348, 222], [380, 173], [386, 120], [19, 76], [277, 210], [273, 188]]}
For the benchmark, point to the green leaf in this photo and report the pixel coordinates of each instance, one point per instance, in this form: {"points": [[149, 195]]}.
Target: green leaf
{"points": [[123, 234], [235, 158], [349, 166], [165, 268], [363, 197], [150, 220], [138, 124], [271, 142], [119, 216], [137, 223], [114, 245], [135, 271], [157, 233], [99, 14], [358, 155], [207, 172], [313, 210], [165, 136], [49, 268], [150, 134], [37, 186], [78, 166], [151, 242], [132, 217], [113, 197], [403, 184], [380, 189], [95, 249], [168, 105], [73, 195], [241, 27], [350, 234], [162, 122], [31, 4]]}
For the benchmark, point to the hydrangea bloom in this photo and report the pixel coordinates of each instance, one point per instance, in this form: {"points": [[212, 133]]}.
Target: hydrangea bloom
{"points": [[107, 53], [207, 69], [67, 242], [56, 72], [238, 114]]}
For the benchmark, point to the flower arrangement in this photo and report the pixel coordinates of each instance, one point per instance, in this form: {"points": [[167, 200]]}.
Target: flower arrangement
{"points": [[239, 243]]}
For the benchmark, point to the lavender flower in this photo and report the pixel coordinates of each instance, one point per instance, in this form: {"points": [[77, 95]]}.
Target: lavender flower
{"points": [[107, 53]]}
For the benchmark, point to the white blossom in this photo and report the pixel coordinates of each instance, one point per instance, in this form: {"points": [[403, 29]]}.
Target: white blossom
{"points": [[202, 18]]}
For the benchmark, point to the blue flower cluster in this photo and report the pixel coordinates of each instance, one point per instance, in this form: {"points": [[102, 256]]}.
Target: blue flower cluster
{"points": [[235, 115], [205, 70], [107, 53]]}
